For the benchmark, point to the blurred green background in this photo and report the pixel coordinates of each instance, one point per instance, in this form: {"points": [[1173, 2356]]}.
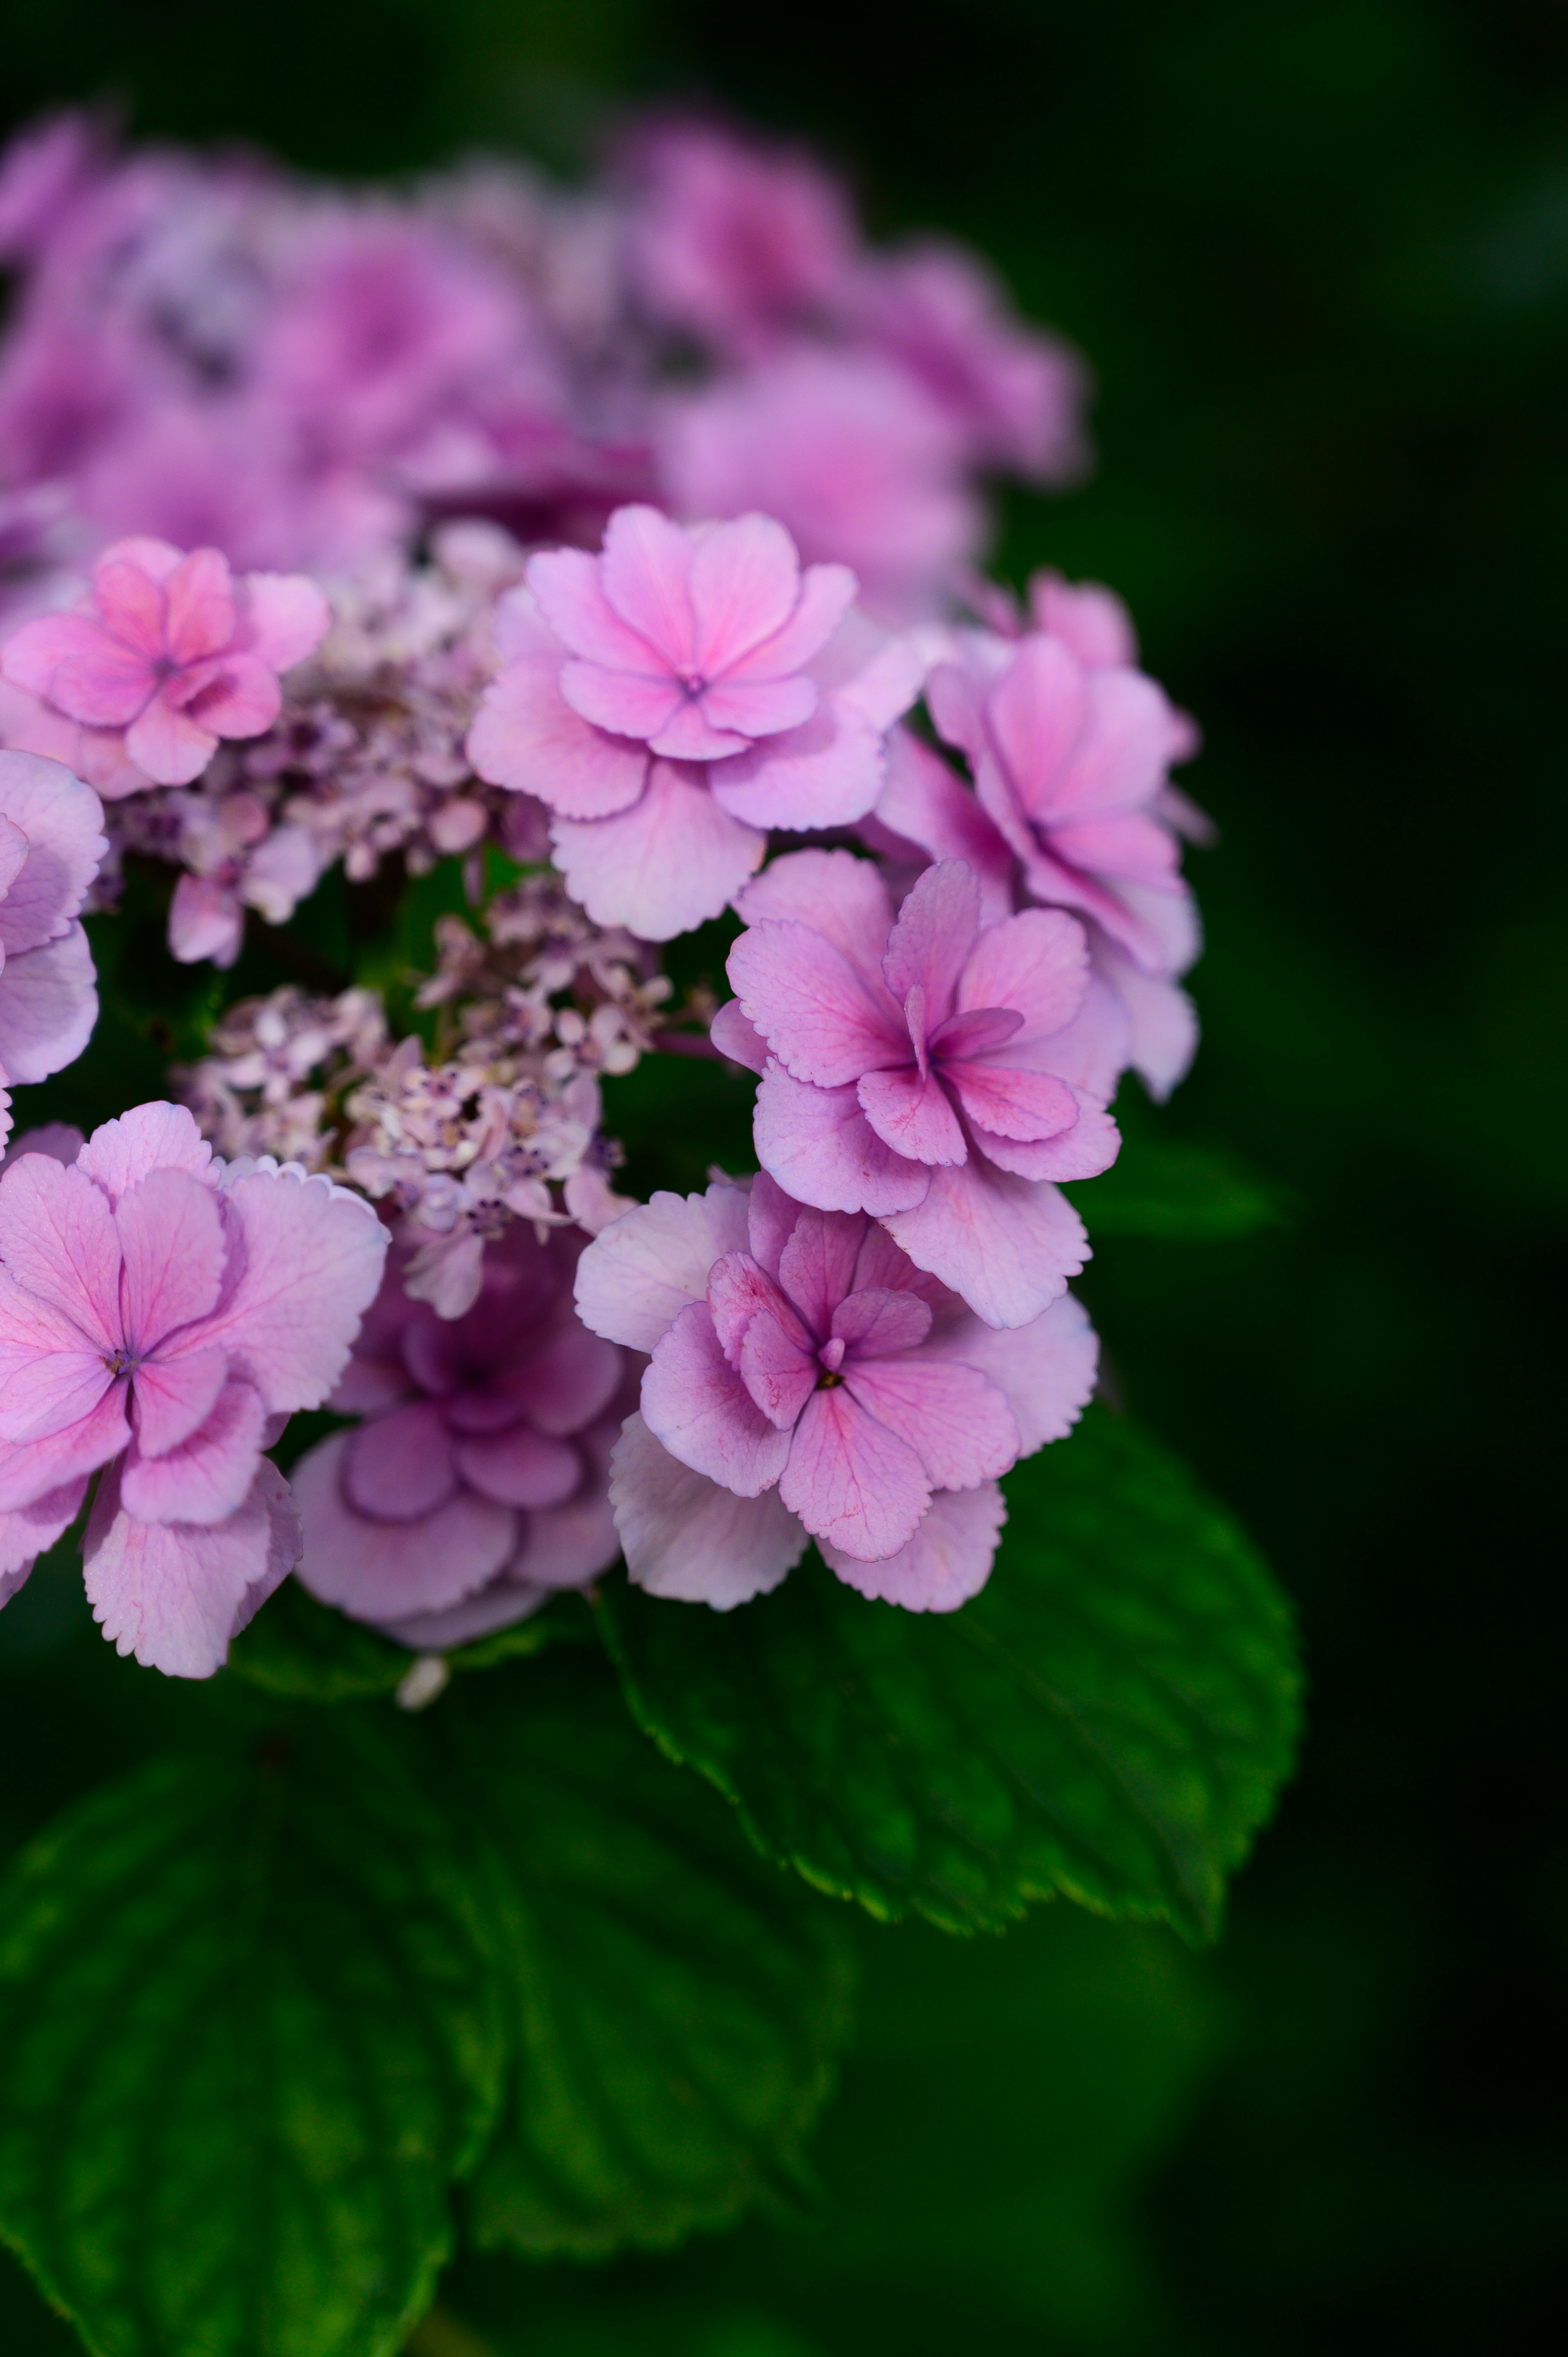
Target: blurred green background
{"points": [[1318, 254]]}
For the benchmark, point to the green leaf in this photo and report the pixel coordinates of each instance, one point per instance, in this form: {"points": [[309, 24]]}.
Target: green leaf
{"points": [[304, 1652], [1177, 1192], [250, 2033], [1109, 1720], [679, 2002]]}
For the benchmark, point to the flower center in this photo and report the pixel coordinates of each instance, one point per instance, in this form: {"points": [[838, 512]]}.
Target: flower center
{"points": [[120, 1361]]}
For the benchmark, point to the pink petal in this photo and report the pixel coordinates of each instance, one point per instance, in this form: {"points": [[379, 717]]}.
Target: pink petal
{"points": [[157, 558], [933, 936], [1011, 1102], [168, 745], [1091, 619], [821, 1019], [816, 1265], [770, 1217], [959, 1424], [953, 702], [49, 1005], [174, 1595], [309, 1259], [172, 1397], [205, 921], [1090, 1147], [565, 1546], [171, 1237], [29, 1469], [825, 773], [1121, 758], [759, 707], [923, 802], [62, 821], [838, 895], [50, 1375], [827, 593], [131, 601], [1120, 843], [201, 607], [777, 1366], [379, 1570], [149, 1137], [1008, 1244], [27, 1532], [665, 865], [498, 1606], [400, 1467], [851, 1480], [696, 1403], [1036, 963], [739, 1286], [912, 1116], [632, 703], [13, 851], [521, 1467], [283, 618], [636, 1277], [948, 1560], [874, 1320], [820, 1148], [689, 1539], [964, 1036], [1163, 1022], [526, 736], [1037, 714], [208, 1477], [743, 579], [1047, 1370], [565, 586], [233, 696], [58, 1240], [733, 1034], [565, 1381], [72, 661], [645, 572]]}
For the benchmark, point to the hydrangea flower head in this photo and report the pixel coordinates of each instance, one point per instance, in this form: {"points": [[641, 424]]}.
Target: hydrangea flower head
{"points": [[159, 1310], [171, 652], [929, 1070], [807, 1379], [673, 697], [476, 1484], [50, 845]]}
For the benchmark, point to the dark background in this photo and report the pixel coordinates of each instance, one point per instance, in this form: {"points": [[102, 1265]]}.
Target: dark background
{"points": [[1319, 257]]}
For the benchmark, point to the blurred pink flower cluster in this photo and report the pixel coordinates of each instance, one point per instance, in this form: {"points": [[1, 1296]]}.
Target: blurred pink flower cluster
{"points": [[210, 351]]}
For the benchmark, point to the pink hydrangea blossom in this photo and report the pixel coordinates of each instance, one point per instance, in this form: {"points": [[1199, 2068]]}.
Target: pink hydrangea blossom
{"points": [[169, 653], [738, 244], [159, 1312], [806, 1379], [925, 811], [853, 456], [935, 1072], [674, 699], [476, 1484], [50, 844]]}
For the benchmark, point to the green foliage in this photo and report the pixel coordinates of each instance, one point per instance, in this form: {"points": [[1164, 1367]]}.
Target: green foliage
{"points": [[678, 2006], [303, 1651], [1176, 1189], [1109, 1720], [263, 2004], [250, 2033]]}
